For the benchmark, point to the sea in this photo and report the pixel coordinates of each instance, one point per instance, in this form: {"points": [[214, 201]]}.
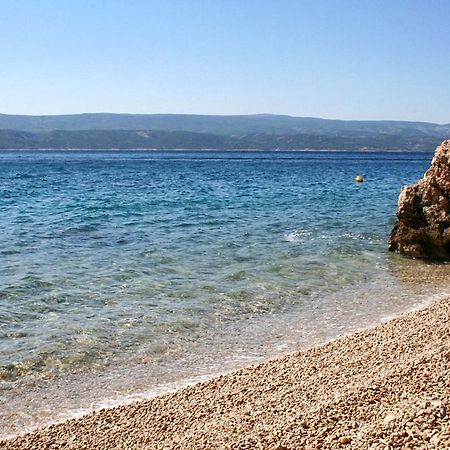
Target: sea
{"points": [[124, 275]]}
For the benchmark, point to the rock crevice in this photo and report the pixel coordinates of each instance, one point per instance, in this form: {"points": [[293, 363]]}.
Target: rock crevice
{"points": [[422, 229]]}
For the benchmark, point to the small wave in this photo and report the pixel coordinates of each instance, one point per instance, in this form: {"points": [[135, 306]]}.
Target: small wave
{"points": [[370, 237], [422, 303], [298, 236], [82, 229], [8, 252]]}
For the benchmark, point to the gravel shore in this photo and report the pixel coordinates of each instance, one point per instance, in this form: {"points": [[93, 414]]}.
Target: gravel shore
{"points": [[383, 388]]}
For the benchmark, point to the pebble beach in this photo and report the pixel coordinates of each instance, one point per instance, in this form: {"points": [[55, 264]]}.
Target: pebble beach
{"points": [[225, 225], [382, 388]]}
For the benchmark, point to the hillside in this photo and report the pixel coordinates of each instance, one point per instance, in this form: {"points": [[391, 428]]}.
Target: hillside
{"points": [[170, 131], [224, 125], [169, 140]]}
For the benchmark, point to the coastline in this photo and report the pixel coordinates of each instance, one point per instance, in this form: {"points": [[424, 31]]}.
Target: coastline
{"points": [[386, 386], [206, 150]]}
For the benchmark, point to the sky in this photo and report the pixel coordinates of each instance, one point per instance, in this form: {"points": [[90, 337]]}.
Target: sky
{"points": [[341, 59]]}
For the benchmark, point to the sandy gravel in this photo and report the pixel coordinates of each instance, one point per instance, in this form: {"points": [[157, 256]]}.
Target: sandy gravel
{"points": [[384, 388]]}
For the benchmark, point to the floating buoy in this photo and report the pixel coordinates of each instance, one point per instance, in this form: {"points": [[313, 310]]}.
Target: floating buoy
{"points": [[359, 179]]}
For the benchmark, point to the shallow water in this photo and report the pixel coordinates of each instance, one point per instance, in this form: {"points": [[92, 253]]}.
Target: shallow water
{"points": [[124, 274]]}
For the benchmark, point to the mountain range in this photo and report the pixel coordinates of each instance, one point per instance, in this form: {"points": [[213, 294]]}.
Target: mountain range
{"points": [[186, 131]]}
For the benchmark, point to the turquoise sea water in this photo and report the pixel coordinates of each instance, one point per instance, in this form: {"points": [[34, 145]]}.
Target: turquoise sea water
{"points": [[125, 273]]}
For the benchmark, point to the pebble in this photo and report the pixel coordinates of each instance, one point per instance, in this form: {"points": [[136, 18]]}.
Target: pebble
{"points": [[369, 390]]}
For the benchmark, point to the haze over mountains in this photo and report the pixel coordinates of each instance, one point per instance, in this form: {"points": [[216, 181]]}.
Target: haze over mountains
{"points": [[182, 131]]}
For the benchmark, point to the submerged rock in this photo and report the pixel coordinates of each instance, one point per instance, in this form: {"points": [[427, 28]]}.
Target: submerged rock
{"points": [[422, 229]]}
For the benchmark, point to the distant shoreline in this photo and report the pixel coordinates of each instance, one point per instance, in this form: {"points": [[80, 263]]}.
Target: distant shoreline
{"points": [[200, 150]]}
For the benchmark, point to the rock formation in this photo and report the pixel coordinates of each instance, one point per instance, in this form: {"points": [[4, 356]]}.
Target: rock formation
{"points": [[422, 229]]}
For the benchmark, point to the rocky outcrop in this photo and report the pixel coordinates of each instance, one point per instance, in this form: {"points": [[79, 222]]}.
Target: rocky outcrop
{"points": [[422, 229]]}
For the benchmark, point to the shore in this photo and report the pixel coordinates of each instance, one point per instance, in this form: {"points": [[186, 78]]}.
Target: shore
{"points": [[385, 387]]}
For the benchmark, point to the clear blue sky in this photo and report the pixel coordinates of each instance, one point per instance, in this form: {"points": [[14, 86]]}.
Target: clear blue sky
{"points": [[345, 59]]}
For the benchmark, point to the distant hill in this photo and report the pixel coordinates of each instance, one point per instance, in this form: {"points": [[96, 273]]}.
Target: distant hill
{"points": [[170, 131], [223, 125], [169, 140]]}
